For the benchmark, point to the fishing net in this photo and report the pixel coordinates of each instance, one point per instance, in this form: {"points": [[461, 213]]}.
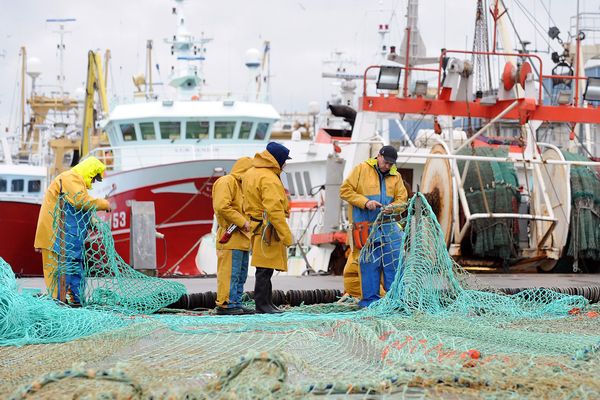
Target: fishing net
{"points": [[491, 186], [437, 333], [82, 250], [585, 213]]}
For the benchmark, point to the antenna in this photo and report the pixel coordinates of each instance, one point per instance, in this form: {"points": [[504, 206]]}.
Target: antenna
{"points": [[61, 48], [345, 78], [265, 73]]}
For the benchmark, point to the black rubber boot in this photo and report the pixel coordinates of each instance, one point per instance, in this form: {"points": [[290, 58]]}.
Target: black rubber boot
{"points": [[229, 311], [274, 308], [261, 290]]}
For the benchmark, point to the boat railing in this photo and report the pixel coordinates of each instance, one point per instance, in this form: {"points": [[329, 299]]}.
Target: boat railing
{"points": [[238, 96], [120, 158], [22, 196]]}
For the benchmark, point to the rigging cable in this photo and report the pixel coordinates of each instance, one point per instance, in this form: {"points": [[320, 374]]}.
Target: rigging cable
{"points": [[548, 12], [533, 65], [18, 83], [534, 22]]}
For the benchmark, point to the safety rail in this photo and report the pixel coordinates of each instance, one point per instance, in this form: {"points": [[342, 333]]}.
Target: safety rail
{"points": [[439, 71], [126, 157]]}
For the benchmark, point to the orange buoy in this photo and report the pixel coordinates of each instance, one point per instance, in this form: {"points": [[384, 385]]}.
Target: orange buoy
{"points": [[508, 76]]}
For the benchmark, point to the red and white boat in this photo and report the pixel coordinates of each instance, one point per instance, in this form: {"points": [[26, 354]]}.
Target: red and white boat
{"points": [[170, 151], [21, 192], [50, 122]]}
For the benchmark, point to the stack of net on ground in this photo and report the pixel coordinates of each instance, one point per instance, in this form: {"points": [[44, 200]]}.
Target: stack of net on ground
{"points": [[433, 334]]}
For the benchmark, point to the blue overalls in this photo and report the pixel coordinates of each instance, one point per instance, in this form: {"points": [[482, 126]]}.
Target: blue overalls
{"points": [[69, 246], [384, 251]]}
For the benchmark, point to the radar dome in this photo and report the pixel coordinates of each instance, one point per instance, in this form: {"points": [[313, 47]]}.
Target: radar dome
{"points": [[313, 108], [80, 93], [34, 65], [252, 58]]}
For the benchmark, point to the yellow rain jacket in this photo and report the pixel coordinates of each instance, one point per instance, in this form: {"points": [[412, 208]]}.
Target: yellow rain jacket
{"points": [[227, 202], [364, 184], [264, 192], [75, 183]]}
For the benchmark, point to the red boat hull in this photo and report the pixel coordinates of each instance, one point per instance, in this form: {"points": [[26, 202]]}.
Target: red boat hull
{"points": [[182, 196], [19, 222]]}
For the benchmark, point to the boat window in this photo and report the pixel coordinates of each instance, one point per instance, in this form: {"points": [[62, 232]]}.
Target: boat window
{"points": [[3, 185], [245, 130], [307, 182], [34, 186], [197, 130], [224, 129], [147, 131], [261, 130], [170, 130], [67, 159], [299, 182], [17, 185], [290, 181], [128, 131]]}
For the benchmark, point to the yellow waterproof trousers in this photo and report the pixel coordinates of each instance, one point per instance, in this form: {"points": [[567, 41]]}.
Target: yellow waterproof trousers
{"points": [[232, 271], [352, 275], [49, 266]]}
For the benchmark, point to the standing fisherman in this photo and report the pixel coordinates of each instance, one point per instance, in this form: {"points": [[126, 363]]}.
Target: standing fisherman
{"points": [[267, 207], [372, 185], [233, 240]]}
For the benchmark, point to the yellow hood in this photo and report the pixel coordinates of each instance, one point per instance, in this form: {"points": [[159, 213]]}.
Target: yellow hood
{"points": [[89, 168], [266, 160], [240, 167]]}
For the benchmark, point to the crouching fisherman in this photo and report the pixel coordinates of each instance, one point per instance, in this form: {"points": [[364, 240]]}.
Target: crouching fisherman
{"points": [[63, 225]]}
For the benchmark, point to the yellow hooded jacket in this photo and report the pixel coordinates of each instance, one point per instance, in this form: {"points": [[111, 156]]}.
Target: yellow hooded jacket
{"points": [[365, 183], [227, 201], [263, 191], [75, 184]]}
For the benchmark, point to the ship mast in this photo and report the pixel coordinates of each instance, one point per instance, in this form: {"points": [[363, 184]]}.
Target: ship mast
{"points": [[187, 77], [483, 73], [40, 105], [61, 49]]}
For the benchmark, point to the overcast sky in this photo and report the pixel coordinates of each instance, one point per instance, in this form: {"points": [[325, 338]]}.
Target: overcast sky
{"points": [[303, 33]]}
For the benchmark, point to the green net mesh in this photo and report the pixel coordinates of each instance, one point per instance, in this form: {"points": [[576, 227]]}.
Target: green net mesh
{"points": [[437, 333], [491, 186], [82, 248], [585, 213]]}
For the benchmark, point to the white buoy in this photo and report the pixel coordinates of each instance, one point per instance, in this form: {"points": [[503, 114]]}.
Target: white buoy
{"points": [[252, 58], [313, 108]]}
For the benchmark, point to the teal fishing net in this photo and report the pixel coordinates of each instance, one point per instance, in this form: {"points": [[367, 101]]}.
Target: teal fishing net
{"points": [[585, 212], [436, 333], [86, 264], [491, 186]]}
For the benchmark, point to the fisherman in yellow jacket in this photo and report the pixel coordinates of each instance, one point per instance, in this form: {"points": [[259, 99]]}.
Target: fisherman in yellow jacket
{"points": [[63, 242], [267, 207], [233, 240], [373, 184]]}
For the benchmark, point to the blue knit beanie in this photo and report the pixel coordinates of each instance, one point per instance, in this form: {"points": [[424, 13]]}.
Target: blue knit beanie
{"points": [[279, 151]]}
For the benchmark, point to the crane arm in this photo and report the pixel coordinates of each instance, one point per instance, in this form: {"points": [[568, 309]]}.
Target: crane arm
{"points": [[95, 83]]}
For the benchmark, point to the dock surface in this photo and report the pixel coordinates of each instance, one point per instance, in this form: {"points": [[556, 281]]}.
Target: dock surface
{"points": [[280, 282]]}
